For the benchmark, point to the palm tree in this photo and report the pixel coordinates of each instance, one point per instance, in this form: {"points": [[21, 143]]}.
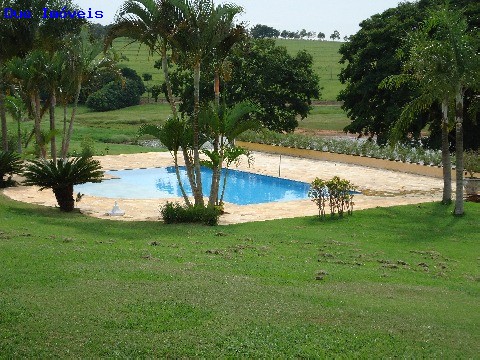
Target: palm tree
{"points": [[10, 163], [30, 74], [455, 66], [444, 61], [223, 125], [17, 109], [83, 62], [174, 134], [61, 176], [150, 23], [201, 30]]}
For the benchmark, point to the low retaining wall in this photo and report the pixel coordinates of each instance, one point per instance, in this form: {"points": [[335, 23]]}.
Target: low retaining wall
{"points": [[432, 171]]}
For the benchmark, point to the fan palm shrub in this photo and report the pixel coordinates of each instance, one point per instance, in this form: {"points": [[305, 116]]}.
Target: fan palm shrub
{"points": [[10, 163], [62, 175]]}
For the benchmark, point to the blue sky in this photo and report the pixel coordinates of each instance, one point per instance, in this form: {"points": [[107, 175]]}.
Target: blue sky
{"points": [[312, 15]]}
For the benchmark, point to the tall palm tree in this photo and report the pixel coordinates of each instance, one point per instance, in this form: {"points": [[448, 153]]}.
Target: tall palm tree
{"points": [[444, 60], [201, 30], [224, 124], [455, 66], [150, 22], [30, 74], [83, 62]]}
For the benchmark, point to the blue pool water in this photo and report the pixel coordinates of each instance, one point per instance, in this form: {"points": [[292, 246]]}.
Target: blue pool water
{"points": [[243, 188]]}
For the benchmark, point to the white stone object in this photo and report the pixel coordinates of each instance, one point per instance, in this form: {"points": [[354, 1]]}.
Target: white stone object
{"points": [[116, 211]]}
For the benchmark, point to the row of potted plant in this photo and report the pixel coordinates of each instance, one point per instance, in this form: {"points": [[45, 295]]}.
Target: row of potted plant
{"points": [[348, 146]]}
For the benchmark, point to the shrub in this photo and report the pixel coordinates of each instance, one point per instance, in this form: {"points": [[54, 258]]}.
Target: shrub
{"points": [[338, 192], [115, 95], [10, 164], [62, 175], [174, 213], [471, 162]]}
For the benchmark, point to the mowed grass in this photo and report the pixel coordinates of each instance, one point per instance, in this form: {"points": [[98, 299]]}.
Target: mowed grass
{"points": [[394, 282], [330, 117], [116, 132], [112, 132], [325, 55]]}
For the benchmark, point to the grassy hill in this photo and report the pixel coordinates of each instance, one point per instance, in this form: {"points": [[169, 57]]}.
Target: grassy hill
{"points": [[378, 284], [325, 55]]}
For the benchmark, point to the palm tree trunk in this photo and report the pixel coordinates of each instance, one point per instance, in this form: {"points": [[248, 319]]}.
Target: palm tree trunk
{"points": [[64, 132], [3, 117], [216, 88], [224, 185], [19, 134], [446, 161], [53, 141], [459, 152], [64, 196], [68, 136], [177, 172], [35, 101], [189, 167], [216, 171], [197, 189], [168, 83], [217, 168]]}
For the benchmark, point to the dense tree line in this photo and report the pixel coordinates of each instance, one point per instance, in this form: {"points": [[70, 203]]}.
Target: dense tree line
{"points": [[373, 54], [260, 31]]}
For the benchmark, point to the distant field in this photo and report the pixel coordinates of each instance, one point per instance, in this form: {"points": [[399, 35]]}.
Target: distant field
{"points": [[325, 55]]}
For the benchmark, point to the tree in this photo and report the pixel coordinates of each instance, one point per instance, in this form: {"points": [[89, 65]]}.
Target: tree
{"points": [[282, 86], [335, 35], [61, 176], [263, 31], [445, 52], [222, 125], [369, 57], [42, 36], [150, 23], [84, 60], [321, 36], [201, 30]]}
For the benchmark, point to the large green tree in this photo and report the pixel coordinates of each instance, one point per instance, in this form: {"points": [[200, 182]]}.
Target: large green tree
{"points": [[282, 86], [371, 55]]}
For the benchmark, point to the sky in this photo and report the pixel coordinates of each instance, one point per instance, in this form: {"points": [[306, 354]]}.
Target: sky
{"points": [[313, 15]]}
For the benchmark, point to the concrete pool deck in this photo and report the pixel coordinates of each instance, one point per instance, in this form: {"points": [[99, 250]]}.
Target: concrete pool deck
{"points": [[380, 188]]}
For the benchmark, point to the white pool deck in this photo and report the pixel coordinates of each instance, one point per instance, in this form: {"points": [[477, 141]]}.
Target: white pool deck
{"points": [[380, 188]]}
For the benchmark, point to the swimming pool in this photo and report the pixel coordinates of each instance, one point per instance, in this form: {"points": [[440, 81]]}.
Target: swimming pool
{"points": [[243, 188]]}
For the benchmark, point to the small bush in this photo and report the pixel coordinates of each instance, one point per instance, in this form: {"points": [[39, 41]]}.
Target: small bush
{"points": [[174, 213], [338, 192], [88, 147]]}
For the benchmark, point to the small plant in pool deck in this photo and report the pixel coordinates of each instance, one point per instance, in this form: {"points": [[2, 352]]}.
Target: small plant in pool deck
{"points": [[62, 175], [338, 192], [10, 163]]}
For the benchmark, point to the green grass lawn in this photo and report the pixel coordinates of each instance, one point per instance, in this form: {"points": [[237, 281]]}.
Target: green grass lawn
{"points": [[399, 282], [325, 118], [325, 55], [115, 132]]}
